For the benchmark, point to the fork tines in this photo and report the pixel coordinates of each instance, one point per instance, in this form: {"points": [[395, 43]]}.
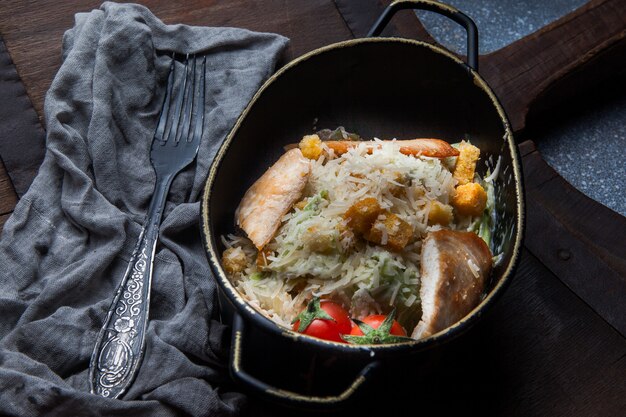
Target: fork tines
{"points": [[186, 101]]}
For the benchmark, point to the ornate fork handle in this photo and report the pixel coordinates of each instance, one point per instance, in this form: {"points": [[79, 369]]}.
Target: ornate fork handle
{"points": [[120, 345]]}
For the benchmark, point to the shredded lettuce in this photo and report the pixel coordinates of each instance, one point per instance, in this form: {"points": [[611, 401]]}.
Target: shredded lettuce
{"points": [[486, 223], [256, 276], [314, 202]]}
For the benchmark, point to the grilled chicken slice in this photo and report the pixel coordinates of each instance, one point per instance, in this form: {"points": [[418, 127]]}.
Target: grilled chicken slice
{"points": [[454, 267], [265, 203]]}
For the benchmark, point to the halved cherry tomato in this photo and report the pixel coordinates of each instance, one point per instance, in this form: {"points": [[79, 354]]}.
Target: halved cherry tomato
{"points": [[375, 321], [323, 319]]}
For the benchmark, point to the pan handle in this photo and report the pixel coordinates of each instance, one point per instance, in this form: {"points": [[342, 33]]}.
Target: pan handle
{"points": [[284, 396], [439, 8]]}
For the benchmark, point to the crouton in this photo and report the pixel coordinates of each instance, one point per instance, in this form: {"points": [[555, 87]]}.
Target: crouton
{"points": [[398, 191], [311, 146], [390, 231], [261, 258], [319, 241], [466, 163], [362, 215], [234, 261], [470, 199], [439, 213]]}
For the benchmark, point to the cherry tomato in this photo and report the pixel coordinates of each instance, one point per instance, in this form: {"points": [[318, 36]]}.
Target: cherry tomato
{"points": [[375, 321], [326, 320]]}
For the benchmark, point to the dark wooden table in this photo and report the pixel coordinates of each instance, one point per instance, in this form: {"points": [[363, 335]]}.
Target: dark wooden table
{"points": [[555, 344]]}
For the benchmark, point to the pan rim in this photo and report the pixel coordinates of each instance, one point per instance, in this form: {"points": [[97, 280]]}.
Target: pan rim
{"points": [[250, 313]]}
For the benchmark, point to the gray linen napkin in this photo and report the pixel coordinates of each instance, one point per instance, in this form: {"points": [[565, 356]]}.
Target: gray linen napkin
{"points": [[66, 246]]}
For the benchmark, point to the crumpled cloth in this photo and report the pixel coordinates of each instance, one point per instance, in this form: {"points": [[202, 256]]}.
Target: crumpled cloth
{"points": [[65, 248]]}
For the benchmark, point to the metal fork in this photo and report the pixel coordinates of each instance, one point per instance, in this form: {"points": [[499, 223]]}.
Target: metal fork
{"points": [[120, 345]]}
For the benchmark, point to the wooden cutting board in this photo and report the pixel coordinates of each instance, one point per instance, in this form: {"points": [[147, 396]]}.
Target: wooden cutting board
{"points": [[555, 344]]}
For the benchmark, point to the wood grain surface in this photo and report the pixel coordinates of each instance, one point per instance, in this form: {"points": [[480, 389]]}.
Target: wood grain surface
{"points": [[579, 240], [33, 30], [361, 16], [22, 137], [8, 198], [524, 70]]}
